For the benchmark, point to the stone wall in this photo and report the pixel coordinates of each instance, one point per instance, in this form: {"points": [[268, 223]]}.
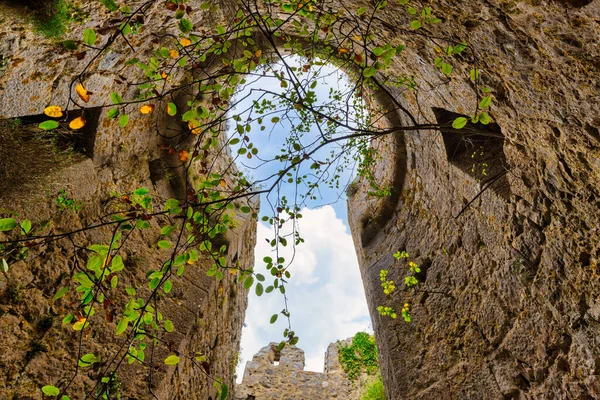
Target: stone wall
{"points": [[207, 313], [274, 374], [507, 307]]}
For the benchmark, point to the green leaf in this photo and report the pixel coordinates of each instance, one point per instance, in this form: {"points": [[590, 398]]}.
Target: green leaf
{"points": [[259, 289], [171, 109], [168, 286], [60, 293], [87, 360], [164, 244], [446, 68], [411, 10], [369, 72], [70, 45], [167, 230], [123, 120], [485, 102], [248, 282], [484, 118], [224, 391], [415, 24], [4, 266], [438, 62], [26, 226], [274, 318], [142, 191], [122, 325], [50, 390], [6, 224], [260, 277], [459, 123], [474, 74], [172, 360], [89, 37], [168, 325], [48, 125], [245, 209], [112, 113], [185, 25], [116, 98], [110, 4], [117, 264], [361, 11]]}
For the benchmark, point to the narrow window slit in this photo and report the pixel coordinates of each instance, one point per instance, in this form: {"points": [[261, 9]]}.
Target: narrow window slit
{"points": [[477, 150]]}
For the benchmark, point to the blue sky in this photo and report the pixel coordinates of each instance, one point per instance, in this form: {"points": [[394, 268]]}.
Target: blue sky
{"points": [[326, 297]]}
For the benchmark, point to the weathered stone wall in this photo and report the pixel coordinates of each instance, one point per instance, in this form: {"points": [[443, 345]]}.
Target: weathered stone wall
{"points": [[207, 313], [507, 307], [276, 374]]}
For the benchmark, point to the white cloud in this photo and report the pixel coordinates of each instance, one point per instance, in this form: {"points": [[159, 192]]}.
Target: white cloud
{"points": [[326, 297]]}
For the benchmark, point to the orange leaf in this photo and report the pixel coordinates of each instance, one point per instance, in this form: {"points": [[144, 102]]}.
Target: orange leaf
{"points": [[222, 182], [147, 109], [53, 111], [358, 58], [164, 75], [173, 54], [83, 94], [194, 127], [342, 50], [185, 42], [77, 123], [258, 53], [184, 156]]}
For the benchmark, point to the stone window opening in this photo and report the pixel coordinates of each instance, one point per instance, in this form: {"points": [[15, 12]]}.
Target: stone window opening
{"points": [[81, 141], [274, 356], [477, 150]]}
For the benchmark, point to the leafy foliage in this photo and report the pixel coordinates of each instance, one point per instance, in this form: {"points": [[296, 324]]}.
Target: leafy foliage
{"points": [[374, 390], [361, 356]]}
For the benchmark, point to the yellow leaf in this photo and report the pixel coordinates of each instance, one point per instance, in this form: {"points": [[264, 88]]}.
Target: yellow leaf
{"points": [[80, 324], [342, 50], [147, 109], [185, 42], [83, 94], [173, 54], [194, 127], [53, 111], [258, 53], [77, 123]]}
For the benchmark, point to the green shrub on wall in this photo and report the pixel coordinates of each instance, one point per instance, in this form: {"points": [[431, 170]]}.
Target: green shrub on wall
{"points": [[374, 390], [361, 356]]}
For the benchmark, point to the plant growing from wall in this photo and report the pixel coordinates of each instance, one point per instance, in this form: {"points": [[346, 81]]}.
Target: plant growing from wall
{"points": [[217, 61], [389, 287], [360, 356]]}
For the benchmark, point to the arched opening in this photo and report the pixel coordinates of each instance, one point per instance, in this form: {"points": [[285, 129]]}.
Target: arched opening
{"points": [[325, 273]]}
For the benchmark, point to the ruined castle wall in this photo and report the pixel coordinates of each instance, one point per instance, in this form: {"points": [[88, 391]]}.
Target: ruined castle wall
{"points": [[507, 307], [207, 314], [274, 374]]}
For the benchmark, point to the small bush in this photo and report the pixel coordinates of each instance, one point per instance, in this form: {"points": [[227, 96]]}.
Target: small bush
{"points": [[374, 390]]}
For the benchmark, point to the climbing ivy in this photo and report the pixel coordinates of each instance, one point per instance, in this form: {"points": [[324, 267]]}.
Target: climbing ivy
{"points": [[360, 356]]}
